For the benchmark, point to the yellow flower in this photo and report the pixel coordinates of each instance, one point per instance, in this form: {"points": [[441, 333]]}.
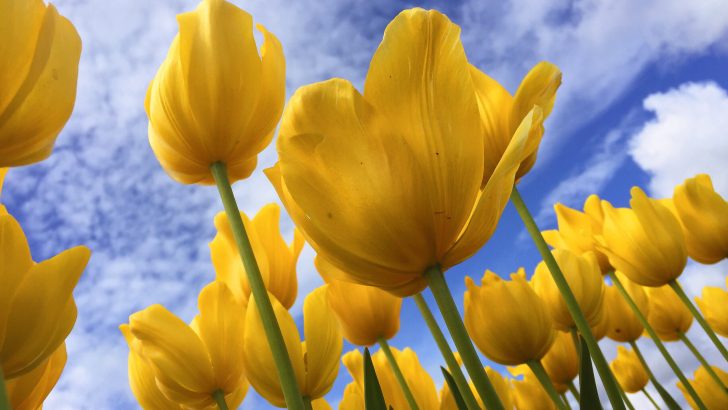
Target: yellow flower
{"points": [[712, 395], [502, 113], [508, 322], [577, 230], [28, 391], [562, 361], [629, 371], [704, 216], [623, 323], [276, 260], [353, 398], [646, 242], [714, 305], [315, 360], [667, 315], [585, 280], [37, 310], [38, 72], [502, 388], [365, 313], [418, 380], [214, 98], [188, 364], [390, 183], [528, 394]]}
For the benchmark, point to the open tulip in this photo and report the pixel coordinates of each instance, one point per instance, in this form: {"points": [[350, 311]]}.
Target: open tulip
{"points": [[624, 326], [667, 315], [505, 334], [28, 391], [345, 158], [628, 370], [714, 305], [528, 393], [577, 230], [366, 314], [704, 216], [276, 260], [562, 361], [37, 310], [38, 72], [646, 242], [713, 395], [315, 360], [190, 365], [215, 99], [585, 280]]}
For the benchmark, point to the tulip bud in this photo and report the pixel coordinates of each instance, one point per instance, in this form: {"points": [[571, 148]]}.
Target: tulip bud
{"points": [[704, 216], [562, 361], [714, 305], [624, 326], [711, 394], [628, 370], [667, 315], [585, 280], [28, 391], [504, 334], [214, 99], [38, 73]]}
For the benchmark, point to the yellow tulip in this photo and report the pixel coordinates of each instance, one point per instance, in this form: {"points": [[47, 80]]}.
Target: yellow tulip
{"points": [[345, 158], [628, 370], [502, 388], [188, 364], [365, 313], [502, 113], [713, 396], [528, 393], [37, 310], [353, 398], [38, 72], [276, 260], [315, 360], [577, 230], [714, 305], [704, 216], [623, 323], [504, 334], [585, 280], [214, 99], [28, 391], [418, 380], [646, 242], [667, 315], [562, 361]]}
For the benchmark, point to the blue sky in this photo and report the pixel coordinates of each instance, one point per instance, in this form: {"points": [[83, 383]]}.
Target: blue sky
{"points": [[643, 102]]}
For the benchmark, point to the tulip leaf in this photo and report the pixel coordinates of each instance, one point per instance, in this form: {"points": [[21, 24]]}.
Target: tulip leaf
{"points": [[669, 401], [373, 397], [459, 401], [589, 396]]}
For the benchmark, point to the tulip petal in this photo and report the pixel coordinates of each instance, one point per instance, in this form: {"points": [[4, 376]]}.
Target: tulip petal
{"points": [[28, 392], [323, 344], [281, 277], [15, 254]]}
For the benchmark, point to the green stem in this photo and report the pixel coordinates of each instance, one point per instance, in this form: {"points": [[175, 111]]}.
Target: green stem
{"points": [[701, 320], [4, 399], [260, 293], [219, 397], [565, 400], [460, 337], [660, 346], [307, 403], [708, 368], [398, 373], [626, 400], [447, 354], [537, 369], [600, 362], [644, 391], [574, 392]]}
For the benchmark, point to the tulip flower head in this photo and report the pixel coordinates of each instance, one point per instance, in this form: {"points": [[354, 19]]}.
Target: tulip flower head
{"points": [[562, 361], [215, 99], [711, 394], [528, 393], [315, 360], [646, 242], [28, 391], [508, 322], [628, 370], [276, 260], [667, 315], [388, 184], [38, 72], [714, 305], [704, 216], [624, 326]]}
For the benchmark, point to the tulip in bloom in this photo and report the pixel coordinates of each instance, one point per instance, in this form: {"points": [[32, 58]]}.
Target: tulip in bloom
{"points": [[528, 393], [508, 322], [713, 396], [623, 323], [501, 385], [315, 360], [562, 361], [704, 216], [365, 313], [276, 260], [714, 305], [646, 242], [173, 365], [215, 99], [28, 391], [38, 72], [387, 184], [667, 315], [628, 370], [585, 280], [37, 310]]}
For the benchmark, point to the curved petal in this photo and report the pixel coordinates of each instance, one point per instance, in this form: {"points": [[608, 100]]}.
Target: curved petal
{"points": [[323, 344], [28, 391], [15, 254], [281, 259]]}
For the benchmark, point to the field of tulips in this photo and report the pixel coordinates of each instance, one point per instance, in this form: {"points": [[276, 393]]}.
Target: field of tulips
{"points": [[391, 186]]}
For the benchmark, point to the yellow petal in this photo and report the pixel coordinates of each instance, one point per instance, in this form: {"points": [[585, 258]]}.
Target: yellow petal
{"points": [[353, 398], [323, 344], [15, 254], [321, 404], [714, 305], [28, 391], [712, 394], [628, 370], [667, 315], [3, 173]]}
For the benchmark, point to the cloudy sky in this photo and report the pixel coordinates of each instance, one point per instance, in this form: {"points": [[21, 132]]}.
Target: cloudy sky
{"points": [[643, 102]]}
